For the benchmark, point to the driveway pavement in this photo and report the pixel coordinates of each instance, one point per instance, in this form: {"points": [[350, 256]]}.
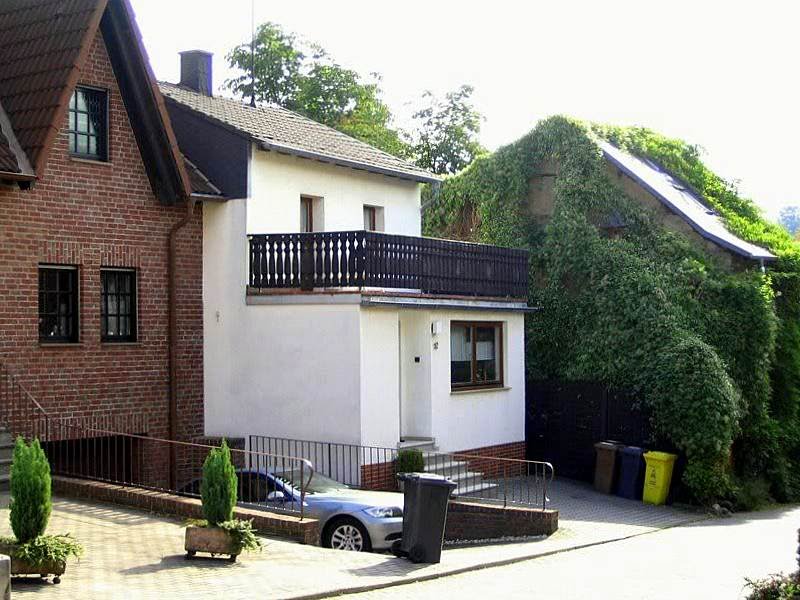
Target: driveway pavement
{"points": [[131, 554]]}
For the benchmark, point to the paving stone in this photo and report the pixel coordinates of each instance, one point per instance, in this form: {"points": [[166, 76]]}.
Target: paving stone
{"points": [[132, 554]]}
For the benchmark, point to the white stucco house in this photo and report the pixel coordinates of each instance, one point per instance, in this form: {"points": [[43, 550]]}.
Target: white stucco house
{"points": [[326, 315]]}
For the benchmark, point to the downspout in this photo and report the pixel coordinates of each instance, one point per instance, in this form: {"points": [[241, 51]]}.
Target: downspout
{"points": [[172, 417]]}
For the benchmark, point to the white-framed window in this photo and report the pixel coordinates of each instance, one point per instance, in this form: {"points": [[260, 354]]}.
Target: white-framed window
{"points": [[373, 218]]}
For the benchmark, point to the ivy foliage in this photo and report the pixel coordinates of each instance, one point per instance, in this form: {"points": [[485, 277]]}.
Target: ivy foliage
{"points": [[713, 351]]}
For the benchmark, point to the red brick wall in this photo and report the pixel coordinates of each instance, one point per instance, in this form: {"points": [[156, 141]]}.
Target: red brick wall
{"points": [[475, 521], [94, 215], [379, 476]]}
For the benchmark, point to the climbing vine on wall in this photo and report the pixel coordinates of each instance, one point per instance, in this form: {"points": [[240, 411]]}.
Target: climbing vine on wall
{"points": [[713, 353]]}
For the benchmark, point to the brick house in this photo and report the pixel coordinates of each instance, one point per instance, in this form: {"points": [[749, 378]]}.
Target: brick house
{"points": [[95, 201]]}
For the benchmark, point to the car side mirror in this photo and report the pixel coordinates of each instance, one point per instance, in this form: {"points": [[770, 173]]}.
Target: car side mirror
{"points": [[276, 497]]}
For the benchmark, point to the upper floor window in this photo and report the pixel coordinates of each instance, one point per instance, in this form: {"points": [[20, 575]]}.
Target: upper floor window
{"points": [[306, 214], [476, 355], [373, 218], [58, 304], [118, 305], [88, 123]]}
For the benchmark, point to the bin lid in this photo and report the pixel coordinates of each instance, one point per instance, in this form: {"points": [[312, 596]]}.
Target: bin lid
{"points": [[431, 479], [632, 450], [662, 456], [607, 445]]}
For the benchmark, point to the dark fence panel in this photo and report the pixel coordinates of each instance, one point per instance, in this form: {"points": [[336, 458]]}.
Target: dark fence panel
{"points": [[371, 259], [565, 419]]}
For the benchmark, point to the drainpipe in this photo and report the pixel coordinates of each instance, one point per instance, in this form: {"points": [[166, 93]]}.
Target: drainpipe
{"points": [[172, 417]]}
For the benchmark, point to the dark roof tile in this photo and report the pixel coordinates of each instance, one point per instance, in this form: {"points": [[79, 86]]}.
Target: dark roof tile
{"points": [[280, 129]]}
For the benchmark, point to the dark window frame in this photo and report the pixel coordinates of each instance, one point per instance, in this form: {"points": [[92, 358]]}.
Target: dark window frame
{"points": [[474, 384], [75, 301], [133, 313], [307, 206], [102, 138]]}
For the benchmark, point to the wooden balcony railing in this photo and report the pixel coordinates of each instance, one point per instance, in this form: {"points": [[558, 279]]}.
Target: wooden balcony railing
{"points": [[367, 259]]}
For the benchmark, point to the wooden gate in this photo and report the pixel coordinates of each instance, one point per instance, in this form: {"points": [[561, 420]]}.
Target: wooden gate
{"points": [[565, 419]]}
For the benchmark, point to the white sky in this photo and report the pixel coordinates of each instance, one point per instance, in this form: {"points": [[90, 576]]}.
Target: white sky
{"points": [[723, 75]]}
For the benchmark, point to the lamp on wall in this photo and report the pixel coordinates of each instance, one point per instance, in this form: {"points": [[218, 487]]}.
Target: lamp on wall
{"points": [[436, 328]]}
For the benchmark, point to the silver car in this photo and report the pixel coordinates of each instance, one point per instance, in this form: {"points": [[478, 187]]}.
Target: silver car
{"points": [[350, 519]]}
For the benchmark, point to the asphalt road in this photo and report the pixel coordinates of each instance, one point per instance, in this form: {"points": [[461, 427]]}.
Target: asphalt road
{"points": [[705, 560]]}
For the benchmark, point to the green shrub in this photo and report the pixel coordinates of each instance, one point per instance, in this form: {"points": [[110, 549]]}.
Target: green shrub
{"points": [[30, 491], [43, 550], [410, 461], [776, 587], [219, 487]]}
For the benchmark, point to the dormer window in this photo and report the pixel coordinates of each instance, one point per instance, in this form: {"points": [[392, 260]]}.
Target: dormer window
{"points": [[88, 123]]}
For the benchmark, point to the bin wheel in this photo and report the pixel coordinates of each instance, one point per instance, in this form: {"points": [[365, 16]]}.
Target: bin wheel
{"points": [[397, 548], [56, 580], [416, 554]]}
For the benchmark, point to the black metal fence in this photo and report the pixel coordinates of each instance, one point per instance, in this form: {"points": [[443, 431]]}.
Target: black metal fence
{"points": [[478, 478], [361, 259], [565, 420], [102, 448]]}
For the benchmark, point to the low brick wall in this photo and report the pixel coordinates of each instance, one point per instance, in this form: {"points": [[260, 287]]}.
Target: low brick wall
{"points": [[273, 524], [379, 476], [496, 468], [484, 521]]}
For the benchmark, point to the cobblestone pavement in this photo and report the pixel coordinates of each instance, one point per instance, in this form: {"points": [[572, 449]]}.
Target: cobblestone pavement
{"points": [[131, 554], [708, 560]]}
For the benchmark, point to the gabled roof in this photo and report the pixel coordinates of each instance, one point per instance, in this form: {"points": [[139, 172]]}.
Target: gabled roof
{"points": [[682, 200], [43, 45], [201, 185], [279, 129]]}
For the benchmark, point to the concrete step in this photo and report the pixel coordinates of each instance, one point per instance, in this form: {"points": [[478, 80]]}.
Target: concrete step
{"points": [[470, 488], [444, 466], [421, 444], [6, 439], [5, 471]]}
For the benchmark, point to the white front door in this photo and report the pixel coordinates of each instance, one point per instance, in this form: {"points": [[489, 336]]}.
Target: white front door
{"points": [[415, 374]]}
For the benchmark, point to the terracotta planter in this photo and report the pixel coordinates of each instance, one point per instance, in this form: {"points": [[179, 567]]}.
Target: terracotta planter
{"points": [[212, 540], [21, 567]]}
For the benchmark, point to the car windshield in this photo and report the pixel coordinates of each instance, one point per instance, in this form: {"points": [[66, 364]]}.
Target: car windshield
{"points": [[319, 483]]}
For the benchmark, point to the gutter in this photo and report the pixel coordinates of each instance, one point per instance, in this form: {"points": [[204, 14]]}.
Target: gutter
{"points": [[172, 335]]}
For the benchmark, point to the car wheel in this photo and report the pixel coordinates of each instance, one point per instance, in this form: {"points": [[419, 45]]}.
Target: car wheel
{"points": [[346, 533]]}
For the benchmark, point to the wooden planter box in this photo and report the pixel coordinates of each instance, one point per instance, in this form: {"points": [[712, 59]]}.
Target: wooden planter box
{"points": [[212, 540], [21, 567]]}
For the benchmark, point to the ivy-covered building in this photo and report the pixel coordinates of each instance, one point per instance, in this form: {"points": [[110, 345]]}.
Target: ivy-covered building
{"points": [[654, 276]]}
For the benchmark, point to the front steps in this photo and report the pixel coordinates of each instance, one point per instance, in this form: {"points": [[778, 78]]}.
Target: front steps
{"points": [[458, 472], [6, 451]]}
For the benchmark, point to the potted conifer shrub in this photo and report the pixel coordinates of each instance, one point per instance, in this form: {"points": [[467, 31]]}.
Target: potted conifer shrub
{"points": [[219, 533], [32, 552]]}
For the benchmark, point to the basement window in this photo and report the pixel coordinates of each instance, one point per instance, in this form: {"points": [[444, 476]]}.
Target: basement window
{"points": [[88, 124], [58, 304], [476, 355], [118, 305]]}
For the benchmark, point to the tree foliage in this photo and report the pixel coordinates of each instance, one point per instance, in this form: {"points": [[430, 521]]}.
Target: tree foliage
{"points": [[445, 136], [712, 352], [790, 219], [218, 489], [31, 503], [304, 78]]}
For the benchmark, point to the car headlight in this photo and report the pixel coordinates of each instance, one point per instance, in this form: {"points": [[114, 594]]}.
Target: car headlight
{"points": [[384, 512]]}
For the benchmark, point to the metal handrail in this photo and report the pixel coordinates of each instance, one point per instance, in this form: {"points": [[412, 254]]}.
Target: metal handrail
{"points": [[21, 408]]}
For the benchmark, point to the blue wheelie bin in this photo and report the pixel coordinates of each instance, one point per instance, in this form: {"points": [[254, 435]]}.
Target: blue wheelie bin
{"points": [[631, 472]]}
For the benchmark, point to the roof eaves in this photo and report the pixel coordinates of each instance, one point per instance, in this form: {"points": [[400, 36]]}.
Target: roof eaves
{"points": [[26, 172], [345, 162], [703, 232]]}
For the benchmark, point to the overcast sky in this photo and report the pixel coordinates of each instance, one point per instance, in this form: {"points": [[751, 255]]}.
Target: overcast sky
{"points": [[723, 75]]}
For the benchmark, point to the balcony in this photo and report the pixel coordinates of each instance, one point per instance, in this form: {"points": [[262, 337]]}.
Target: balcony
{"points": [[367, 259]]}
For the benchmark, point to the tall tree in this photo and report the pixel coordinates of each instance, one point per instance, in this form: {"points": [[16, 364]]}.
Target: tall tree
{"points": [[303, 77], [445, 139], [790, 218]]}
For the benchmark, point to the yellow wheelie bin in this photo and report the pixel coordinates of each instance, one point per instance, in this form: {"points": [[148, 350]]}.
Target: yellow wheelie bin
{"points": [[657, 477]]}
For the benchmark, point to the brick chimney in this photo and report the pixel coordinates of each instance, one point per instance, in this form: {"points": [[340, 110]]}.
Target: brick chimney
{"points": [[196, 71]]}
